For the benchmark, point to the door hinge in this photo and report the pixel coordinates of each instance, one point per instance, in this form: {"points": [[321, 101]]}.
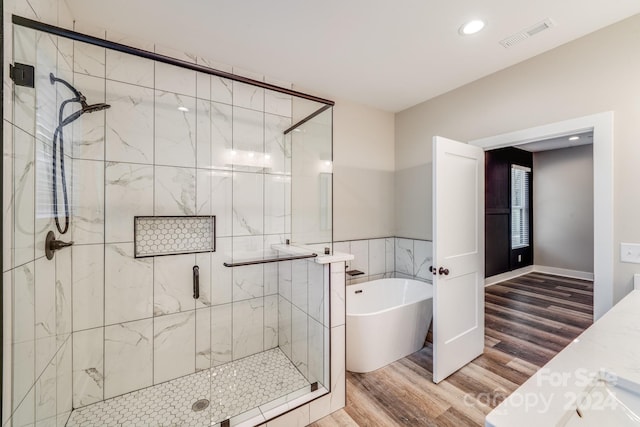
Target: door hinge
{"points": [[22, 74]]}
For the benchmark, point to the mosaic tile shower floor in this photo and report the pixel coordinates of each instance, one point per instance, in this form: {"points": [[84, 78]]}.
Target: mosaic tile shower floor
{"points": [[233, 389]]}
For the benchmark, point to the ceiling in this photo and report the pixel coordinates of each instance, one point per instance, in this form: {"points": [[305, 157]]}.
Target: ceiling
{"points": [[559, 142], [386, 54]]}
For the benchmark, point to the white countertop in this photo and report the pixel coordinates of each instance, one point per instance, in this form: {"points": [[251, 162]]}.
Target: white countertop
{"points": [[612, 343]]}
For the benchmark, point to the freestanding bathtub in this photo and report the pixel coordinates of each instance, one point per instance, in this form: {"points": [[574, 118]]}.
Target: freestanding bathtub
{"points": [[387, 319]]}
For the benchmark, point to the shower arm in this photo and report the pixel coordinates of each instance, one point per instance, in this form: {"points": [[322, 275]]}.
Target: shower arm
{"points": [[79, 97], [75, 91]]}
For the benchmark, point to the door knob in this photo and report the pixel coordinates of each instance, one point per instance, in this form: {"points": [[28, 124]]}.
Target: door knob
{"points": [[432, 270], [444, 271]]}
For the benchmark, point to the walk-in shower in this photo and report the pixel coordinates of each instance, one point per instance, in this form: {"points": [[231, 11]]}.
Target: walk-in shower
{"points": [[196, 201]]}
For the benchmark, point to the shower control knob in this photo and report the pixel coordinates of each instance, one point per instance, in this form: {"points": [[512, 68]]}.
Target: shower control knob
{"points": [[444, 271], [51, 245]]}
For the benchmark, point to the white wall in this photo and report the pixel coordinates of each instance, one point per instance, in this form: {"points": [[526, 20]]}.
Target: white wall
{"points": [[596, 73], [563, 208]]}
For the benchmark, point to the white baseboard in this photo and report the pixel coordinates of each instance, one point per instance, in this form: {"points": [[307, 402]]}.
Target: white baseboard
{"points": [[508, 275], [574, 274]]}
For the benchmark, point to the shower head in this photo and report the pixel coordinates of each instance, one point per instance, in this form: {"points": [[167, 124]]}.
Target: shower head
{"points": [[53, 79], [94, 107], [79, 97], [86, 108]]}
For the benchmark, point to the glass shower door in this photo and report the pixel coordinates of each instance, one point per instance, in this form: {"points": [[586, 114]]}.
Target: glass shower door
{"points": [[37, 374]]}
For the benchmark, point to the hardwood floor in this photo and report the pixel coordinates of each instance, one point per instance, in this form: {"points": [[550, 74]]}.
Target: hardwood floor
{"points": [[528, 320]]}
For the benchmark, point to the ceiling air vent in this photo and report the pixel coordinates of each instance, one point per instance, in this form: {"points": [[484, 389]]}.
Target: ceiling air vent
{"points": [[529, 32]]}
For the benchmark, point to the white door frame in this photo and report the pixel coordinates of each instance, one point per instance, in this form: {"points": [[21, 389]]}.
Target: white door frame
{"points": [[603, 248]]}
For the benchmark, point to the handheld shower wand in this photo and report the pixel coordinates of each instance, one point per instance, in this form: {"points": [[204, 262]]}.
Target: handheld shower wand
{"points": [[58, 134]]}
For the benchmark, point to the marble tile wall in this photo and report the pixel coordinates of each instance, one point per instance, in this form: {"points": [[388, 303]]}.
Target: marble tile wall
{"points": [[338, 396], [413, 258], [303, 316], [174, 142], [387, 257]]}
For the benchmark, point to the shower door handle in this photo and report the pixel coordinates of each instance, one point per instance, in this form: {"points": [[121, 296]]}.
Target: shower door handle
{"points": [[196, 282]]}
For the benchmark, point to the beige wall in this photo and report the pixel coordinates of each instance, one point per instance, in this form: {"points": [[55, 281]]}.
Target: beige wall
{"points": [[563, 208], [363, 171], [596, 73], [363, 166], [414, 219], [311, 181]]}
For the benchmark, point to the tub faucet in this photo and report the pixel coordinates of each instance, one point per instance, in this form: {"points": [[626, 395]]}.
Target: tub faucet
{"points": [[354, 272]]}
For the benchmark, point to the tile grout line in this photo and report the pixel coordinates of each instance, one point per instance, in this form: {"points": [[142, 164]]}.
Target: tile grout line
{"points": [[33, 256], [233, 175], [104, 247], [71, 273], [153, 207], [264, 222], [195, 212], [55, 278]]}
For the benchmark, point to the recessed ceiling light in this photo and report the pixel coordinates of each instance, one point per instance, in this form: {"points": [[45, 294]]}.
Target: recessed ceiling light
{"points": [[574, 138], [183, 109], [471, 27]]}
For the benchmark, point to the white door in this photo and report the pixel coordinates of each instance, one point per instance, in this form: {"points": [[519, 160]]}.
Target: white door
{"points": [[458, 255]]}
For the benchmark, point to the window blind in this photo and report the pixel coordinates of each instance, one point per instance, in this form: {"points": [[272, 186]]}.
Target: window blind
{"points": [[520, 188]]}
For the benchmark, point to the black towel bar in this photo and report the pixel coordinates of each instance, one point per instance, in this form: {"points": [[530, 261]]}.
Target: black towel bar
{"points": [[268, 260]]}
